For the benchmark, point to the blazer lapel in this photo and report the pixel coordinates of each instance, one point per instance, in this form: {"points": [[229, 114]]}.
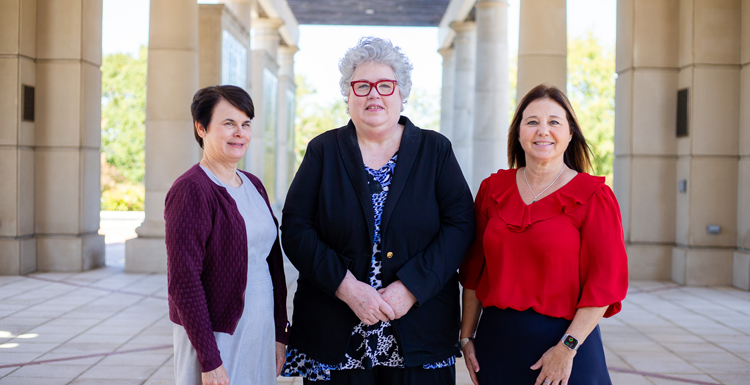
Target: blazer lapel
{"points": [[407, 154], [352, 159]]}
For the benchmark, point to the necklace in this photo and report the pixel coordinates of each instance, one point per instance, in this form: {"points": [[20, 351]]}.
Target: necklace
{"points": [[550, 185]]}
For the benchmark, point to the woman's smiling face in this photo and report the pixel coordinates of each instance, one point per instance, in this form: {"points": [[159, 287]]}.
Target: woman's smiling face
{"points": [[374, 110], [545, 132], [228, 135]]}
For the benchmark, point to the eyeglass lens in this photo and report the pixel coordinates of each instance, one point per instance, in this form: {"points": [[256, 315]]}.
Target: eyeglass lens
{"points": [[384, 87]]}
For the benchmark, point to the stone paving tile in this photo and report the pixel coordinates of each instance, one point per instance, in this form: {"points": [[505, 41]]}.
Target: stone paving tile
{"points": [[8, 357], [33, 380], [109, 381], [629, 379], [119, 372], [5, 371], [166, 372], [732, 379], [34, 348], [87, 337], [137, 359], [156, 381], [68, 372], [65, 359], [700, 377], [84, 348]]}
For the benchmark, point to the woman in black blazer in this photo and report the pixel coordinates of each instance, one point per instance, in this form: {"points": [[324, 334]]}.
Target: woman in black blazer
{"points": [[377, 220]]}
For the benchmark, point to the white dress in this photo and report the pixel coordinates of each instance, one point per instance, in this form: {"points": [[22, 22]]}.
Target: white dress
{"points": [[249, 355]]}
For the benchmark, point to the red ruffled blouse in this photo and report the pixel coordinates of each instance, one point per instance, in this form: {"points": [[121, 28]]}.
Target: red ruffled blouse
{"points": [[563, 252]]}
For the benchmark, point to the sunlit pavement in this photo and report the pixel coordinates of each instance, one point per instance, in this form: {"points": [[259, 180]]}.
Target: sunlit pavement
{"points": [[108, 327]]}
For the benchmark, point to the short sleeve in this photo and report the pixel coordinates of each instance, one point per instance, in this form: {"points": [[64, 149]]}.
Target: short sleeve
{"points": [[603, 260], [472, 267]]}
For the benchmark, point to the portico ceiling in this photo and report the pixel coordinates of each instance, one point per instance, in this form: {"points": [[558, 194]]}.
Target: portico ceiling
{"points": [[418, 13]]}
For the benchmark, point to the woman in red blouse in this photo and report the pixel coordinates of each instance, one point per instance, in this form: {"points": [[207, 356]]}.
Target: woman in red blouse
{"points": [[548, 261]]}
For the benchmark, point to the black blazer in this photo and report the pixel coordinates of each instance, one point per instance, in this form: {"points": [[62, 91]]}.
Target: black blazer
{"points": [[427, 225]]}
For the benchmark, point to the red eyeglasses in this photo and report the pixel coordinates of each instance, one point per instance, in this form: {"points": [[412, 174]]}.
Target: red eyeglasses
{"points": [[384, 87]]}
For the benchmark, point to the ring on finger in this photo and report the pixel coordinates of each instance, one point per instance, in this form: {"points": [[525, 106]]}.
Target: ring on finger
{"points": [[547, 382]]}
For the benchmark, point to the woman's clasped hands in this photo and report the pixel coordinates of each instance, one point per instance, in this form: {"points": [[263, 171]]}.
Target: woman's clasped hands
{"points": [[372, 306]]}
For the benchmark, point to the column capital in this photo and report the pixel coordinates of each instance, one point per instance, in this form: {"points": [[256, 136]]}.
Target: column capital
{"points": [[446, 52], [242, 9], [491, 3], [288, 50], [285, 58], [463, 26], [266, 25], [265, 35]]}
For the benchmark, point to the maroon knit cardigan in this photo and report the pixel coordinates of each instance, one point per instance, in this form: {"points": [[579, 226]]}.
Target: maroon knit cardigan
{"points": [[207, 263]]}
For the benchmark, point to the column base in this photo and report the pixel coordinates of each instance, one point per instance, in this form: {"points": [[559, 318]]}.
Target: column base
{"points": [[649, 262], [69, 253], [17, 256], [146, 255], [741, 270], [698, 267]]}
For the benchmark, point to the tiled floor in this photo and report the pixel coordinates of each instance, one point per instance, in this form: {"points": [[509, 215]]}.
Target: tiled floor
{"points": [[108, 327]]}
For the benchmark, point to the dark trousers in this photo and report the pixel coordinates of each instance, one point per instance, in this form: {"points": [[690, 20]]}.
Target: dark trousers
{"points": [[381, 375], [508, 342]]}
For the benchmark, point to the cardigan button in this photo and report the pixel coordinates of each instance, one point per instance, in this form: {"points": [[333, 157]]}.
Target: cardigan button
{"points": [[389, 255]]}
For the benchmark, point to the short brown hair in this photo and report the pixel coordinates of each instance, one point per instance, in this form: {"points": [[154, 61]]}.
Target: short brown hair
{"points": [[578, 154], [206, 99]]}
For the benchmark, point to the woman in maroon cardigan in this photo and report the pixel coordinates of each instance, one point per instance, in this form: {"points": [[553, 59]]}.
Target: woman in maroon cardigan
{"points": [[227, 290]]}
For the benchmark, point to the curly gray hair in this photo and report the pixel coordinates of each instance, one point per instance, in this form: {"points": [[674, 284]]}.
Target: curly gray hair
{"points": [[377, 50]]}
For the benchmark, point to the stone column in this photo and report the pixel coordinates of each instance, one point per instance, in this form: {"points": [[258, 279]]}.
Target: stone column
{"points": [[645, 139], [170, 145], [446, 92], [741, 268], [542, 45], [244, 11], [285, 160], [68, 135], [463, 98], [709, 61], [221, 37], [492, 97], [17, 72], [261, 158]]}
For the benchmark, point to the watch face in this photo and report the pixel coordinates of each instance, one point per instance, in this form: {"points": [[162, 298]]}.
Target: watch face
{"points": [[571, 342]]}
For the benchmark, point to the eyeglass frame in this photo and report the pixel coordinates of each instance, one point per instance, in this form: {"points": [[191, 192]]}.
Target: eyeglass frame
{"points": [[373, 86]]}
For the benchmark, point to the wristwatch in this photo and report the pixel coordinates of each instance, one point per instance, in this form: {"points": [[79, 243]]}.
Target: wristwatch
{"points": [[464, 341], [570, 342]]}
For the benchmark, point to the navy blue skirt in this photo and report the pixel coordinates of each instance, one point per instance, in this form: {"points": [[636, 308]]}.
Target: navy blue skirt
{"points": [[508, 342]]}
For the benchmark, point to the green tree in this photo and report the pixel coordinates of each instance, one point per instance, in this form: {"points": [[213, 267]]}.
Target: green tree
{"points": [[313, 118], [591, 90], [123, 130], [423, 109]]}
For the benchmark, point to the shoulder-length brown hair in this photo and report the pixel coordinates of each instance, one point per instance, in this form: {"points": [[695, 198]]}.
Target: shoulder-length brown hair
{"points": [[577, 156]]}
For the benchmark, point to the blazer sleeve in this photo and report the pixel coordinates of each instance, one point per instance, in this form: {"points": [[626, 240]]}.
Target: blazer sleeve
{"points": [[187, 216], [603, 261], [426, 274], [473, 265], [315, 261]]}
